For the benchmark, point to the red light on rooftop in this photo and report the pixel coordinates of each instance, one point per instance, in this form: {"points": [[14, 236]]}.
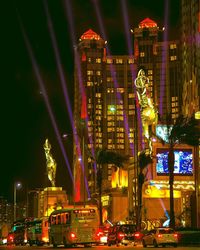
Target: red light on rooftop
{"points": [[147, 23], [90, 35]]}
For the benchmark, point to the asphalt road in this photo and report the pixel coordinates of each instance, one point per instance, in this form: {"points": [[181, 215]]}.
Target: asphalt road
{"points": [[97, 248]]}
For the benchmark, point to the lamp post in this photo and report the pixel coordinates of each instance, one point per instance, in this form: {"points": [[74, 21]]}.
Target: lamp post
{"points": [[17, 185]]}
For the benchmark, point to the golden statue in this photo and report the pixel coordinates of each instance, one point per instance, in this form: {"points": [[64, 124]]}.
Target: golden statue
{"points": [[149, 115], [50, 162]]}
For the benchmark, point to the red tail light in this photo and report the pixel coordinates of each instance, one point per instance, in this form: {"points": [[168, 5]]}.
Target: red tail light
{"points": [[99, 233], [72, 235], [160, 235], [121, 235], [11, 237], [137, 235], [175, 235]]}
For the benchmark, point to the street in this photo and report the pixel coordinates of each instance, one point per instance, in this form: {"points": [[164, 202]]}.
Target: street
{"points": [[97, 247]]}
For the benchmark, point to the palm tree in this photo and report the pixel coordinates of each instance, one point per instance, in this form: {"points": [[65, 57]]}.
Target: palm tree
{"points": [[184, 131], [103, 157]]}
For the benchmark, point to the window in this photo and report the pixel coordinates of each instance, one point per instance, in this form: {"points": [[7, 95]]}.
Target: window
{"points": [[110, 118], [89, 83], [90, 72], [111, 130], [131, 106], [89, 106], [131, 61], [120, 90], [172, 58], [131, 95], [98, 112], [89, 59], [173, 46], [119, 61], [121, 135], [120, 112], [150, 72], [142, 54], [98, 60], [119, 106], [98, 72], [131, 112], [110, 124], [98, 95], [120, 118], [109, 60]]}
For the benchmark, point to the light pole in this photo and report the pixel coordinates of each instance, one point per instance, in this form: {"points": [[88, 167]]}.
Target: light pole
{"points": [[17, 185]]}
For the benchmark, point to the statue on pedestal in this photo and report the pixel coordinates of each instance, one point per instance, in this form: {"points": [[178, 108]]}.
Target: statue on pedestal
{"points": [[50, 163]]}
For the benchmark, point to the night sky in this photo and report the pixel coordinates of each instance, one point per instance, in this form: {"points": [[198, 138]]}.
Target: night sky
{"points": [[24, 117]]}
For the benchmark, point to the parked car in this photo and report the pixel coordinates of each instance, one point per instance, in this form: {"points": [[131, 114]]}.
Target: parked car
{"points": [[121, 234], [160, 236]]}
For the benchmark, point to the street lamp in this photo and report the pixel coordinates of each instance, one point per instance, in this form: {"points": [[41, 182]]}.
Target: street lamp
{"points": [[17, 185]]}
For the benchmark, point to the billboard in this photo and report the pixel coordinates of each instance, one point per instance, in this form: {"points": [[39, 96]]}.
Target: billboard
{"points": [[183, 162]]}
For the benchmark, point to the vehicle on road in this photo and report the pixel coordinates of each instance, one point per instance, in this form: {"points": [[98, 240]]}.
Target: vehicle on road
{"points": [[16, 235], [121, 234], [74, 226], [36, 232], [160, 237]]}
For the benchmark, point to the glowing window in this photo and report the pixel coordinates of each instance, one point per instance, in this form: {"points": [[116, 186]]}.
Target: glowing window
{"points": [[119, 106], [120, 129], [120, 146], [111, 129], [98, 106], [98, 117], [110, 118], [120, 140], [89, 83], [120, 118], [131, 140], [173, 46], [120, 90], [131, 112], [98, 60], [89, 106], [121, 135], [98, 72], [98, 112], [98, 95], [131, 95], [119, 61], [120, 112], [110, 124], [131, 61], [90, 72], [172, 58], [109, 60], [150, 72], [142, 54], [131, 106], [131, 135]]}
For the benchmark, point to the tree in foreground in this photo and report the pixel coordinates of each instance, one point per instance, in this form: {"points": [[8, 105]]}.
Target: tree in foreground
{"points": [[104, 157], [184, 131]]}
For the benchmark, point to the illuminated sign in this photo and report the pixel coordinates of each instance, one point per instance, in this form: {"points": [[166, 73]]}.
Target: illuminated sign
{"points": [[105, 200], [163, 132]]}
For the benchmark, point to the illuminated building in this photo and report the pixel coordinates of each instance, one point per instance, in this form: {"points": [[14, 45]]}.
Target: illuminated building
{"points": [[160, 59], [190, 68], [6, 212], [108, 104]]}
